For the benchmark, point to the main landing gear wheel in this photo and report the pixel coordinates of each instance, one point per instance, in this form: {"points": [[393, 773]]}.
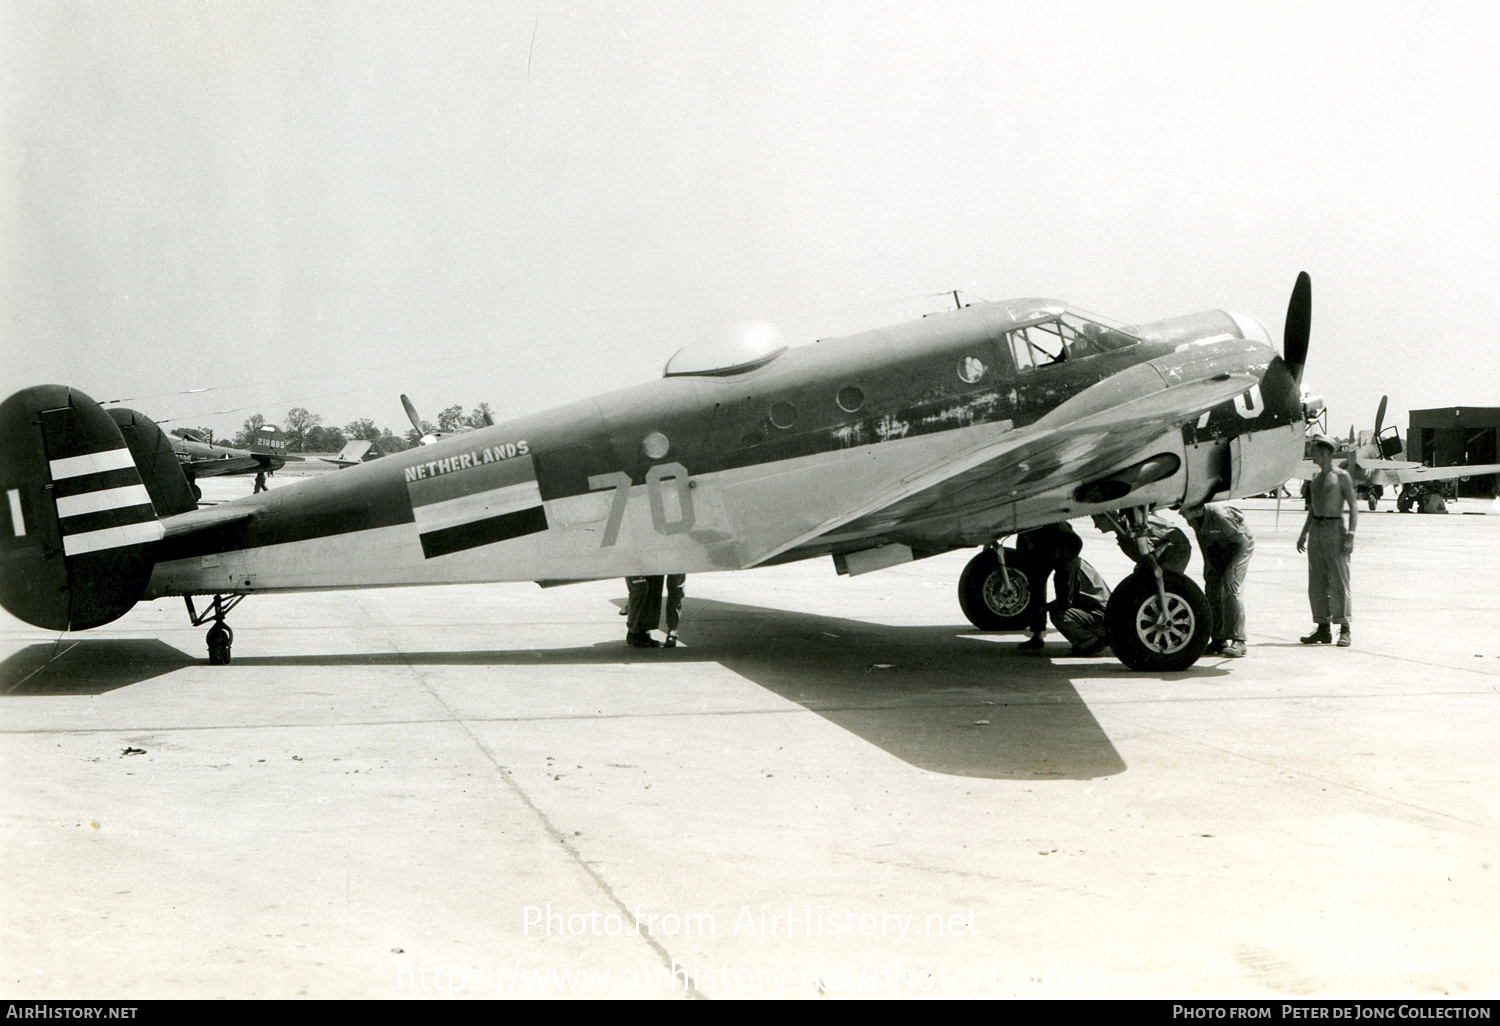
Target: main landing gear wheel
{"points": [[220, 638], [995, 597], [1143, 638]]}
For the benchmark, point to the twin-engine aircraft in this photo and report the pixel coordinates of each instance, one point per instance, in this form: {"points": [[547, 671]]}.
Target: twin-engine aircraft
{"points": [[1373, 460], [957, 430]]}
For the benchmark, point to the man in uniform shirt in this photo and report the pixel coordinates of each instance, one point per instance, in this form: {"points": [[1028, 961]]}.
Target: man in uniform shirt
{"points": [[1226, 546], [1167, 543], [1328, 545], [1082, 595]]}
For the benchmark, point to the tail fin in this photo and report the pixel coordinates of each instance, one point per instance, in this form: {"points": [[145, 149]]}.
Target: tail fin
{"points": [[269, 441], [161, 470], [78, 526], [354, 452]]}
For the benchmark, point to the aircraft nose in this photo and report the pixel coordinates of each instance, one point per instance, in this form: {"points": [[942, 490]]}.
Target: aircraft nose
{"points": [[1251, 328]]}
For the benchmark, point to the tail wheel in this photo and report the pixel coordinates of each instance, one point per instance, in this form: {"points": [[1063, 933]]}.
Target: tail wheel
{"points": [[1143, 636], [995, 597]]}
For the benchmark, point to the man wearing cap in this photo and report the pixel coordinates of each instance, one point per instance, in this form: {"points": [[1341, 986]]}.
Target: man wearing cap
{"points": [[1328, 545]]}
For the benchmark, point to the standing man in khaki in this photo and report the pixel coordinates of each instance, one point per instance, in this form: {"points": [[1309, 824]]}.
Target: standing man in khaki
{"points": [[1328, 545]]}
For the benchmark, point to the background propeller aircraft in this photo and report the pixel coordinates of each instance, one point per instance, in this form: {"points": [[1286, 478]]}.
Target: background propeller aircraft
{"points": [[361, 450], [426, 433], [1374, 461], [956, 430], [266, 453]]}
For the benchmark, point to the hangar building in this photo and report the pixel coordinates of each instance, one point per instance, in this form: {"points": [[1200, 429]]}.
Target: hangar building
{"points": [[1454, 435]]}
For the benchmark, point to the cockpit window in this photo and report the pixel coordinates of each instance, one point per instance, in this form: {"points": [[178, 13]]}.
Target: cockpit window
{"points": [[1068, 337]]}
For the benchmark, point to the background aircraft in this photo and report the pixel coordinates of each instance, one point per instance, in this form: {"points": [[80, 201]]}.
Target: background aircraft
{"points": [[956, 430], [361, 450], [265, 454], [426, 433], [1373, 459]]}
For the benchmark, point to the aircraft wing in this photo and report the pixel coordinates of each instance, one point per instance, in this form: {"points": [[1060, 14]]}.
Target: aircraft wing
{"points": [[1417, 472], [1027, 460], [1307, 469]]}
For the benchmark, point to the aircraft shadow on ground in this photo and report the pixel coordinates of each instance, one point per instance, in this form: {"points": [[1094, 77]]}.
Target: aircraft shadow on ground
{"points": [[936, 697], [933, 696], [91, 666]]}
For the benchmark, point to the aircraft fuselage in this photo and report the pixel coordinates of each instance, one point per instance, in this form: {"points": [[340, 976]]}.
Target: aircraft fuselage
{"points": [[717, 472]]}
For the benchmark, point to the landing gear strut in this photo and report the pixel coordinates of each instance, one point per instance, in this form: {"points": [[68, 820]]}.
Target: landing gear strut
{"points": [[1157, 619], [220, 636], [996, 591]]}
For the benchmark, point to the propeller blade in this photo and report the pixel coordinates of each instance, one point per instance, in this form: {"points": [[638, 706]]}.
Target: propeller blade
{"points": [[1380, 417], [1298, 326], [411, 414]]}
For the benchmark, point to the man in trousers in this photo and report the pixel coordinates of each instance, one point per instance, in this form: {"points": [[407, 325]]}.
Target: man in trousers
{"points": [[643, 610], [1227, 547], [1328, 545]]}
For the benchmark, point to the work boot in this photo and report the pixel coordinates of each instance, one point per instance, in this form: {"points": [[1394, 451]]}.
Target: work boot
{"points": [[1233, 649], [1321, 636], [1215, 647], [642, 640], [1345, 638], [1033, 644]]}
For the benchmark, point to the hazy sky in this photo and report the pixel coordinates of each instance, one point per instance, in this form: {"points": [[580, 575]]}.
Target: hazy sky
{"points": [[328, 204]]}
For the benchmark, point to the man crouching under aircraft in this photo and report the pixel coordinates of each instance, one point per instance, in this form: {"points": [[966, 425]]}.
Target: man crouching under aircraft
{"points": [[1082, 595]]}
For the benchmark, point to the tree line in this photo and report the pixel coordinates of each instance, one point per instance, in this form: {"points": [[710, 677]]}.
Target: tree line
{"points": [[306, 432]]}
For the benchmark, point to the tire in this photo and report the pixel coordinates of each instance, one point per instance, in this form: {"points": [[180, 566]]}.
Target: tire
{"points": [[1141, 644], [994, 600], [219, 641]]}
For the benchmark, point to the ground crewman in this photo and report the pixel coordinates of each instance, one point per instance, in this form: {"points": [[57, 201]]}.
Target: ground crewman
{"points": [[1328, 545]]}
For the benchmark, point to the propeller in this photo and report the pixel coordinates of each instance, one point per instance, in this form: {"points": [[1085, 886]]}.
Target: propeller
{"points": [[1298, 326], [1380, 415], [427, 437], [411, 414]]}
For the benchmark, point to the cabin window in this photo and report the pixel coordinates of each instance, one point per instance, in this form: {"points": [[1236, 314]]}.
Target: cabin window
{"points": [[850, 398], [783, 414]]}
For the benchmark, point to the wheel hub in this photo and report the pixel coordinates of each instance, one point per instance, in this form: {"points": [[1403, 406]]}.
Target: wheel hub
{"points": [[1165, 634], [1007, 592]]}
